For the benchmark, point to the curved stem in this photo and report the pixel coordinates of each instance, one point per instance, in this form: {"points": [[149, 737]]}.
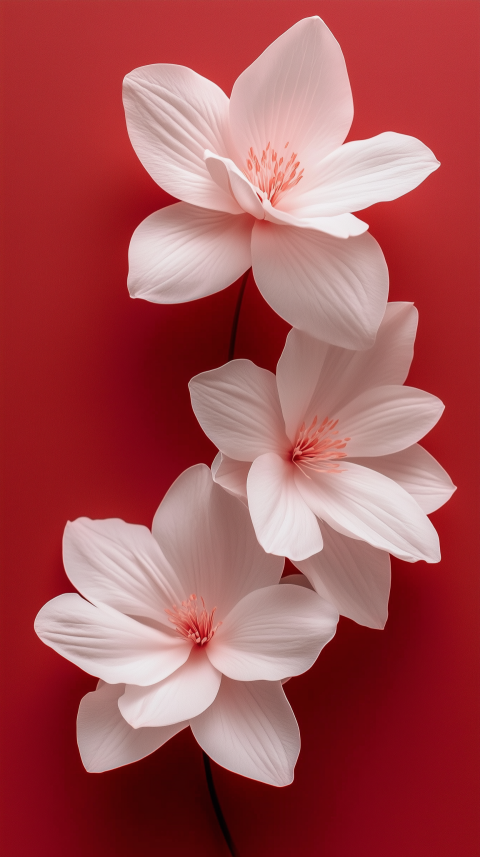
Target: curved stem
{"points": [[216, 805], [206, 760], [233, 335]]}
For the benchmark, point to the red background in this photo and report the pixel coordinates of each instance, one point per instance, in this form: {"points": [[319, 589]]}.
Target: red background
{"points": [[98, 423]]}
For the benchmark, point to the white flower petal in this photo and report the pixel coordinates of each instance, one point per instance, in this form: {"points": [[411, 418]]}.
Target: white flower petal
{"points": [[343, 226], [283, 521], [345, 373], [182, 253], [208, 537], [418, 473], [120, 565], [238, 408], [227, 175], [298, 371], [231, 475], [107, 644], [296, 92], [184, 694], [106, 740], [366, 505], [353, 576], [387, 419], [173, 114], [334, 289], [251, 730], [273, 633], [363, 172]]}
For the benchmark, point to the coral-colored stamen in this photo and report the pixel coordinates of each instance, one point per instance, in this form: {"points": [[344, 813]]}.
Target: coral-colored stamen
{"points": [[319, 448], [193, 623], [269, 173]]}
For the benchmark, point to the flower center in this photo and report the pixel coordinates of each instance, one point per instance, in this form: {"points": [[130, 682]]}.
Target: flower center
{"points": [[319, 448], [193, 622], [272, 174]]}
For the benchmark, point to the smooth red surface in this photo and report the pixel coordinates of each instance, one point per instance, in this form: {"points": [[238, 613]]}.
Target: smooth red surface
{"points": [[98, 423]]}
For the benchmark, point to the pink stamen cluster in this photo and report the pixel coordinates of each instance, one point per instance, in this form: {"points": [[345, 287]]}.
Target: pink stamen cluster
{"points": [[317, 448], [190, 622], [270, 174]]}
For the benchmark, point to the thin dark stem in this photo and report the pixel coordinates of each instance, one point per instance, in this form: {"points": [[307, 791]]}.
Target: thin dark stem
{"points": [[217, 807], [206, 760], [233, 335]]}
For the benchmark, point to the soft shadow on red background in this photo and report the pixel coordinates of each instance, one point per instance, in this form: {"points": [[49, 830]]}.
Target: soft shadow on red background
{"points": [[98, 423]]}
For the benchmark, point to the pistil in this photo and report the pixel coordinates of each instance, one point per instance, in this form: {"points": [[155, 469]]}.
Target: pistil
{"points": [[319, 448], [193, 622], [270, 173]]}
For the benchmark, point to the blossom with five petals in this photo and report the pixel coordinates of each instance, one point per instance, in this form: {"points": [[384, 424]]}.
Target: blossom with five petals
{"points": [[332, 438], [185, 625], [265, 181]]}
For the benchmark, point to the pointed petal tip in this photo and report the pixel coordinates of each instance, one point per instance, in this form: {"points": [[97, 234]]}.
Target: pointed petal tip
{"points": [[287, 781], [134, 289], [378, 623], [312, 20], [300, 555]]}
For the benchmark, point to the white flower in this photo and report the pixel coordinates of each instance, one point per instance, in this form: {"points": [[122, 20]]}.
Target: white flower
{"points": [[185, 626], [333, 438], [265, 181]]}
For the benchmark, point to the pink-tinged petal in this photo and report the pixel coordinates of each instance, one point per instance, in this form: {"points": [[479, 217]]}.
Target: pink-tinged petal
{"points": [[353, 576], [173, 114], [296, 92], [251, 730], [273, 633], [387, 419], [182, 253], [207, 536], [106, 740], [334, 289], [296, 580], [298, 372], [343, 226], [107, 644], [363, 504], [120, 565], [283, 522], [238, 408], [184, 694], [231, 475], [345, 373], [362, 173], [227, 175], [418, 473]]}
